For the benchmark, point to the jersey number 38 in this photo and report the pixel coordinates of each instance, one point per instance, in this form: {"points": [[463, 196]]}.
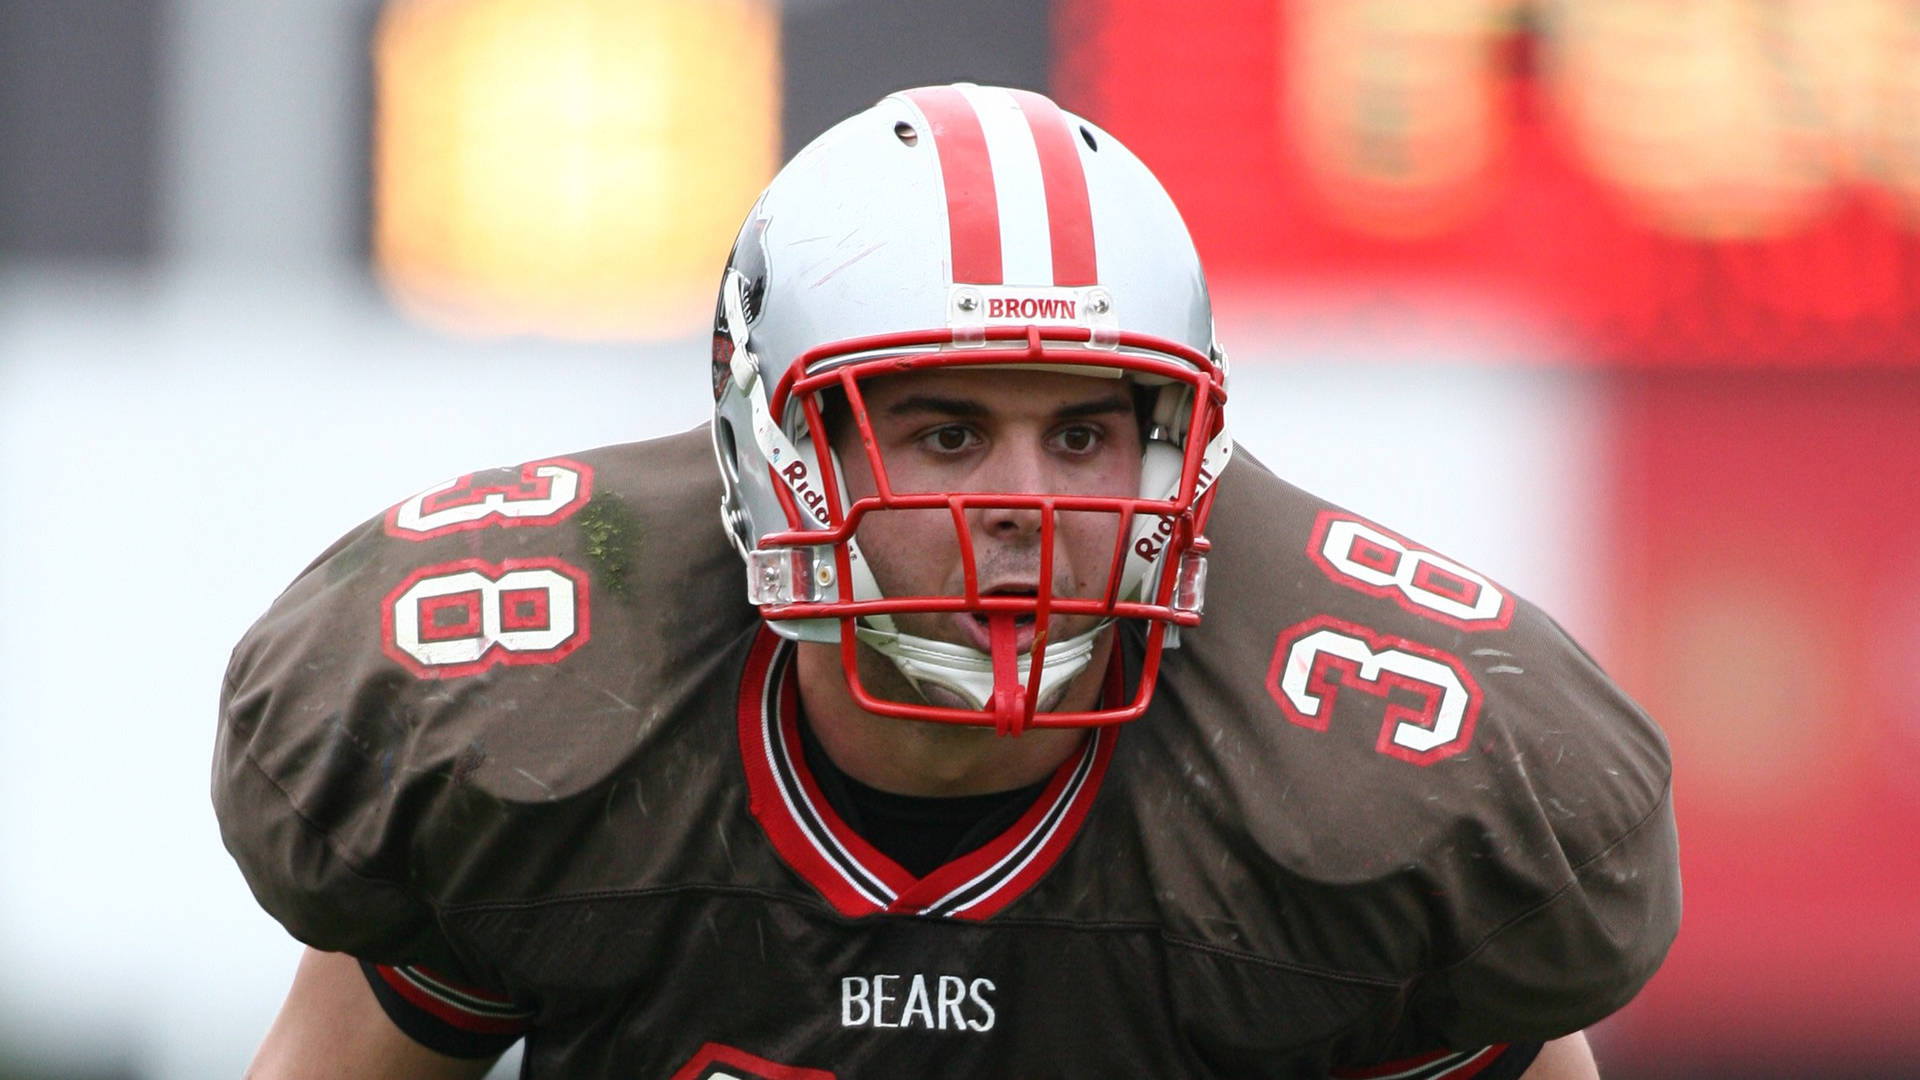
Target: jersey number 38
{"points": [[1431, 701]]}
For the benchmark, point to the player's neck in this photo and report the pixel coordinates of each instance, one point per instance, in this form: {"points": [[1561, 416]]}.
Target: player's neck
{"points": [[909, 757]]}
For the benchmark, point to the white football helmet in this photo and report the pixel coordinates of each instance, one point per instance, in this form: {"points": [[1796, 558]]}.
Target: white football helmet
{"points": [[960, 226]]}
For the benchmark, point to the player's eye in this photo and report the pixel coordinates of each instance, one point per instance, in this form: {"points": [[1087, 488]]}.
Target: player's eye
{"points": [[950, 439], [1077, 439]]}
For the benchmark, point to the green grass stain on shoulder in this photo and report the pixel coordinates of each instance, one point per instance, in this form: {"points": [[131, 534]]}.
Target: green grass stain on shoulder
{"points": [[351, 553], [610, 537]]}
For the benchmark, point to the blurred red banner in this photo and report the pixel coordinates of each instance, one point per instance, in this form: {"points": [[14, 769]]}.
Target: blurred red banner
{"points": [[1767, 612], [1652, 184]]}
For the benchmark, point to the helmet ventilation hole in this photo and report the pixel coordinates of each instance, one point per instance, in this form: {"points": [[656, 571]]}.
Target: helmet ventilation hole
{"points": [[1087, 134], [905, 133], [729, 450]]}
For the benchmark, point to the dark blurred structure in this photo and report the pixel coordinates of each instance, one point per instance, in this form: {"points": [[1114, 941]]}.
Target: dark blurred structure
{"points": [[80, 90], [840, 56]]}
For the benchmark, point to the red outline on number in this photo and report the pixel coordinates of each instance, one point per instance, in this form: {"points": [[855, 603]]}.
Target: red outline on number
{"points": [[542, 613], [430, 608], [1321, 524], [495, 518], [1470, 590], [496, 653], [1377, 643], [1387, 561], [759, 1068]]}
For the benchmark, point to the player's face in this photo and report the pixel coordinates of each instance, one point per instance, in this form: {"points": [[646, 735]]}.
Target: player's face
{"points": [[985, 430]]}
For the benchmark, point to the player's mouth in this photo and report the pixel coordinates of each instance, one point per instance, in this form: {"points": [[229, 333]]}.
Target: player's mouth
{"points": [[978, 627]]}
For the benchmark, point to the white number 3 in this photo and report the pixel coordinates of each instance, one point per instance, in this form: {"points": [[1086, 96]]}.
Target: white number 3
{"points": [[1436, 706]]}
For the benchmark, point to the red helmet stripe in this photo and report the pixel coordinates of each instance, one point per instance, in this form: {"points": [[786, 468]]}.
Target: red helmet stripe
{"points": [[973, 209], [1069, 210]]}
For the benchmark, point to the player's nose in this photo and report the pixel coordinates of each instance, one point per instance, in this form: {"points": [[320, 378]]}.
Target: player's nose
{"points": [[1018, 469]]}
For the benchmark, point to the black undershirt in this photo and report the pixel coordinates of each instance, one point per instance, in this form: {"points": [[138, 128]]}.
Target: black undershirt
{"points": [[921, 833]]}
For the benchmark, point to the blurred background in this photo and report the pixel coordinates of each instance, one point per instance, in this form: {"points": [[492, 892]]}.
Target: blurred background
{"points": [[1616, 300]]}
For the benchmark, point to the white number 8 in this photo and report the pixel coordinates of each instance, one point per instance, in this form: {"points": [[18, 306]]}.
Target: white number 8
{"points": [[1424, 582], [461, 618]]}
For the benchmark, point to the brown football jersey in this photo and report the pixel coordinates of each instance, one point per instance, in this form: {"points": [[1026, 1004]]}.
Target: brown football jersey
{"points": [[521, 742]]}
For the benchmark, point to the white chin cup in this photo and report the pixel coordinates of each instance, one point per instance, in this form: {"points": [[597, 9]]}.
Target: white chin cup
{"points": [[967, 671]]}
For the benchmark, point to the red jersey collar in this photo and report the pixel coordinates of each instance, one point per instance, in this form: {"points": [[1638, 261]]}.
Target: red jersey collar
{"points": [[854, 877]]}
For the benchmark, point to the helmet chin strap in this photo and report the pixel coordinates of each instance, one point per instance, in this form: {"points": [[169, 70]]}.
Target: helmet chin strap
{"points": [[970, 673]]}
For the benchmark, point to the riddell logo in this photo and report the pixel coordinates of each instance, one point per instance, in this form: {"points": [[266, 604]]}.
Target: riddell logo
{"points": [[816, 503], [1150, 546], [1013, 307]]}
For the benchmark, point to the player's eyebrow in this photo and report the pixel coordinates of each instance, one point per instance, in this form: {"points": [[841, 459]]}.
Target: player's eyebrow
{"points": [[912, 404], [970, 409], [1105, 406]]}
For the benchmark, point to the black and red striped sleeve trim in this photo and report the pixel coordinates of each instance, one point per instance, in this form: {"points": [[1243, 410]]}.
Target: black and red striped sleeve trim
{"points": [[446, 1016], [1501, 1061]]}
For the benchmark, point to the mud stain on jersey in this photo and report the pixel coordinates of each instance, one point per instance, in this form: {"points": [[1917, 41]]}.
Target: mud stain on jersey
{"points": [[351, 552], [610, 536], [343, 736], [468, 761]]}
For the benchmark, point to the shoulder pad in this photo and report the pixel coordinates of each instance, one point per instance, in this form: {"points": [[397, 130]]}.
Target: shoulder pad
{"points": [[508, 639], [1434, 756]]}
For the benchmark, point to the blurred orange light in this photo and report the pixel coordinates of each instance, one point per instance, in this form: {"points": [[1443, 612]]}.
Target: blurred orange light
{"points": [[1399, 108], [570, 168]]}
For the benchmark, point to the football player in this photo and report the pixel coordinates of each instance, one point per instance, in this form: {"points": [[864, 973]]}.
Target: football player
{"points": [[962, 783]]}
